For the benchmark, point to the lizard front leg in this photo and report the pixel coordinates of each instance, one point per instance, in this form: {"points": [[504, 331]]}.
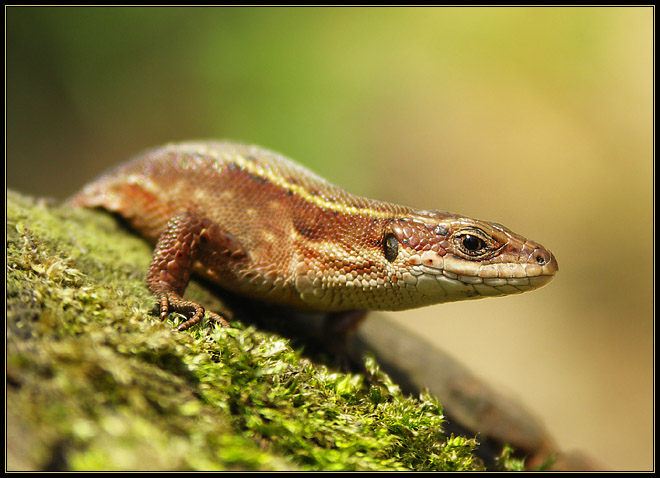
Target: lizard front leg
{"points": [[187, 239]]}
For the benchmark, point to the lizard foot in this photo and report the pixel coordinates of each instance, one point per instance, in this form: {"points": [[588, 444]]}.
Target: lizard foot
{"points": [[171, 302]]}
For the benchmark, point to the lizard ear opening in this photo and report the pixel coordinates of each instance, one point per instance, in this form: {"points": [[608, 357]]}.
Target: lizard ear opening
{"points": [[390, 247]]}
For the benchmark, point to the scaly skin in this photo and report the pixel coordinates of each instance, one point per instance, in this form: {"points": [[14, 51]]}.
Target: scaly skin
{"points": [[260, 225]]}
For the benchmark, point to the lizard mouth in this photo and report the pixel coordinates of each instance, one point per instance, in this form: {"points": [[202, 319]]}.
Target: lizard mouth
{"points": [[438, 284], [523, 283], [463, 278]]}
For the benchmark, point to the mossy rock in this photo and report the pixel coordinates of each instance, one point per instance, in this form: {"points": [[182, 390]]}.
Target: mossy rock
{"points": [[95, 381]]}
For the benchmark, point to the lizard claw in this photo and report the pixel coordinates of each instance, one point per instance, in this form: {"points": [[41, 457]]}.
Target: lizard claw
{"points": [[171, 302], [217, 318]]}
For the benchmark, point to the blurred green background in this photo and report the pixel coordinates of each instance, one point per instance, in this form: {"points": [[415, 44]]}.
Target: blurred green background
{"points": [[538, 118]]}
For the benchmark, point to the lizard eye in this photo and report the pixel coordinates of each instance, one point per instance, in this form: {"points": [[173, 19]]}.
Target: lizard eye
{"points": [[471, 243], [390, 247]]}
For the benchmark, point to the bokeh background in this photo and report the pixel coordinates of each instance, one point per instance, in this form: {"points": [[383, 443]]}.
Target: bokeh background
{"points": [[538, 118]]}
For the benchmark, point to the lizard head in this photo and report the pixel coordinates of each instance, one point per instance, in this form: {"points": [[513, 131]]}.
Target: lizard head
{"points": [[444, 257]]}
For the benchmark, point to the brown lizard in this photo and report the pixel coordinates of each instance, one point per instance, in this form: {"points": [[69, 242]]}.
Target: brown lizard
{"points": [[260, 225]]}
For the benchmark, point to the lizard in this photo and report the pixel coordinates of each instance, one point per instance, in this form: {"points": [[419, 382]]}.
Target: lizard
{"points": [[258, 224]]}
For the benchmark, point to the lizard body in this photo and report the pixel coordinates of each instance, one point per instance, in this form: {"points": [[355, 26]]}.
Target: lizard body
{"points": [[259, 224]]}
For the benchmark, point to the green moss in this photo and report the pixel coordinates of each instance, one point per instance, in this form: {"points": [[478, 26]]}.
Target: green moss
{"points": [[97, 382]]}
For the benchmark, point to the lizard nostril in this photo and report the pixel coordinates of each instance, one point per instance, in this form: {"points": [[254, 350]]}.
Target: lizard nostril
{"points": [[543, 257], [546, 260]]}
